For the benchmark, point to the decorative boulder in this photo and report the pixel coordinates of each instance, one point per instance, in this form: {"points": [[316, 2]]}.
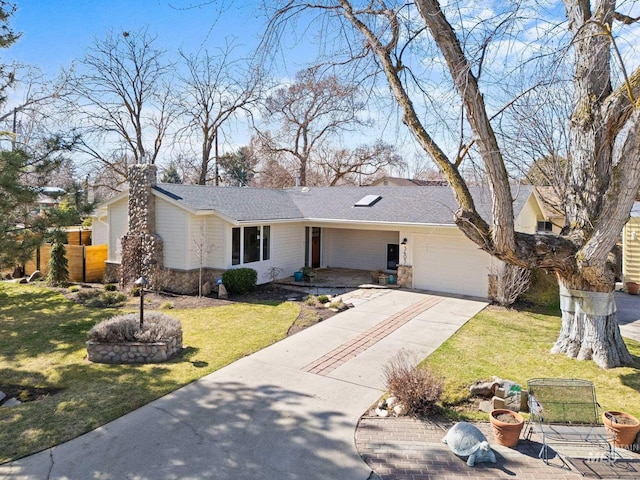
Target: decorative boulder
{"points": [[34, 276], [222, 291], [465, 440]]}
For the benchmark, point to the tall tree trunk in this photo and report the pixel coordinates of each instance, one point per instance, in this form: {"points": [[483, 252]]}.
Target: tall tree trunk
{"points": [[590, 329]]}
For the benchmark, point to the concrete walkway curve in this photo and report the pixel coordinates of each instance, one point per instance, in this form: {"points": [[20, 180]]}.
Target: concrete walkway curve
{"points": [[288, 412]]}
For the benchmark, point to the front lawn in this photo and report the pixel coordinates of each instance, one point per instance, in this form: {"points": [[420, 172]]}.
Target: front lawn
{"points": [[514, 345], [42, 344]]}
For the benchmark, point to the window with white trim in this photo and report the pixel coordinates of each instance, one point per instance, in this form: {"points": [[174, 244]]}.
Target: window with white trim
{"points": [[250, 244]]}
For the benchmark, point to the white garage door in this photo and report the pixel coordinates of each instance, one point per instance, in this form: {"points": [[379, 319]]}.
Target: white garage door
{"points": [[451, 264]]}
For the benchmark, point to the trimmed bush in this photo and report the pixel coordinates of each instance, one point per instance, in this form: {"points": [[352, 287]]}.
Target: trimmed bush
{"points": [[240, 280], [110, 287], [323, 299], [99, 299], [58, 266], [86, 294], [167, 306], [418, 389], [157, 327], [107, 299]]}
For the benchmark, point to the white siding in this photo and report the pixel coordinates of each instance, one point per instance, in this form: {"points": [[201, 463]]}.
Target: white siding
{"points": [[172, 225], [118, 216], [527, 220], [287, 247], [358, 249], [206, 235], [287, 251], [216, 235], [100, 230]]}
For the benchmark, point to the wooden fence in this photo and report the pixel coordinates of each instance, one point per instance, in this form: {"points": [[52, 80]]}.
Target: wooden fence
{"points": [[86, 262]]}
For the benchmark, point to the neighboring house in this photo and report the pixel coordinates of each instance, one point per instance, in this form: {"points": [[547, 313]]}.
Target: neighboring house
{"points": [[406, 182], [48, 198], [631, 247], [367, 228], [552, 207]]}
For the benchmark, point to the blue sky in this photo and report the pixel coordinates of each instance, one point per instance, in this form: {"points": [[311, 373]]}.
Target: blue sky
{"points": [[54, 33]]}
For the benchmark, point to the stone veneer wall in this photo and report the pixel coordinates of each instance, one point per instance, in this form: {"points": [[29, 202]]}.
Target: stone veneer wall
{"points": [[133, 352], [405, 276], [181, 281], [112, 273], [186, 281], [142, 248]]}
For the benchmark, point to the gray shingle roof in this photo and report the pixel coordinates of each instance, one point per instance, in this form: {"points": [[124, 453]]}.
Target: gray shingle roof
{"points": [[236, 203], [430, 205]]}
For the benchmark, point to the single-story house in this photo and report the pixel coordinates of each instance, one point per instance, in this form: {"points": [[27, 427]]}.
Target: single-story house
{"points": [[409, 229]]}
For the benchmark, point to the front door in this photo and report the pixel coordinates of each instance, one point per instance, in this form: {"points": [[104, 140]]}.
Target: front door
{"points": [[393, 256], [315, 247]]}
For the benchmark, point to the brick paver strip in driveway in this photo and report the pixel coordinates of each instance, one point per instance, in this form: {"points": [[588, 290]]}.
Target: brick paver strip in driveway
{"points": [[348, 350]]}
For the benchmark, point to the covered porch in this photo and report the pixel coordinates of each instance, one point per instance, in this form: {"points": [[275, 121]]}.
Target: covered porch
{"points": [[343, 278]]}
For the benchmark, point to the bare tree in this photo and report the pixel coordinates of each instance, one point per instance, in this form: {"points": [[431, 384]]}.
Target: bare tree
{"points": [[604, 136], [309, 112], [355, 165], [216, 89], [123, 101], [511, 282], [201, 248]]}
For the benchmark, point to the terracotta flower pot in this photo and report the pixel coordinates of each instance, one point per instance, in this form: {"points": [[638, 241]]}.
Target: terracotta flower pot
{"points": [[623, 426], [507, 426], [632, 288]]}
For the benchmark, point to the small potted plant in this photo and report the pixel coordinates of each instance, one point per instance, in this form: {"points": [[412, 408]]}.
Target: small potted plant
{"points": [[507, 426], [308, 273], [622, 426]]}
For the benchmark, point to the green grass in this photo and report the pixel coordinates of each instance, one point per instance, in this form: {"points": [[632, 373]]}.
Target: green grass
{"points": [[42, 344], [515, 345]]}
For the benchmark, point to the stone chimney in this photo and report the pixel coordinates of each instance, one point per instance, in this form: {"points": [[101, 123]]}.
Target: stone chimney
{"points": [[142, 204], [141, 247]]}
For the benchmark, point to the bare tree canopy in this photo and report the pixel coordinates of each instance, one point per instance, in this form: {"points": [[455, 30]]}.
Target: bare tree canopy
{"points": [[307, 113], [214, 91], [123, 101], [415, 46], [352, 166]]}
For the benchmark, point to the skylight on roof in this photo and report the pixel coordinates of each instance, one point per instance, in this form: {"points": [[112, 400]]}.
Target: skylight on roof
{"points": [[367, 201]]}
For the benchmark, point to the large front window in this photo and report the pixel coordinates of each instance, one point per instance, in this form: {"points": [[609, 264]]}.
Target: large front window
{"points": [[251, 244]]}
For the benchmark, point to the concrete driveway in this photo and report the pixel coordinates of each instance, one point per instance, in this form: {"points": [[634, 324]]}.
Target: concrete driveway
{"points": [[628, 314], [287, 412]]}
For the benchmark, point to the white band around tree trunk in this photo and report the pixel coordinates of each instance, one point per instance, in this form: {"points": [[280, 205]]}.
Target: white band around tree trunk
{"points": [[590, 303]]}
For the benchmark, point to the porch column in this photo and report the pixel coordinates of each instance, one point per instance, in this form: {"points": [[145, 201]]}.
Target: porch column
{"points": [[405, 276]]}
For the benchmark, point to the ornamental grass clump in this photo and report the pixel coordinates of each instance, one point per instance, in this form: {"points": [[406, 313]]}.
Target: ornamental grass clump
{"points": [[157, 327], [418, 389]]}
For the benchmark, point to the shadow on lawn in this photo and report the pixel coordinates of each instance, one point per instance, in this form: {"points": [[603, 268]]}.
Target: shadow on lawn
{"points": [[41, 322], [632, 380], [85, 397]]}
